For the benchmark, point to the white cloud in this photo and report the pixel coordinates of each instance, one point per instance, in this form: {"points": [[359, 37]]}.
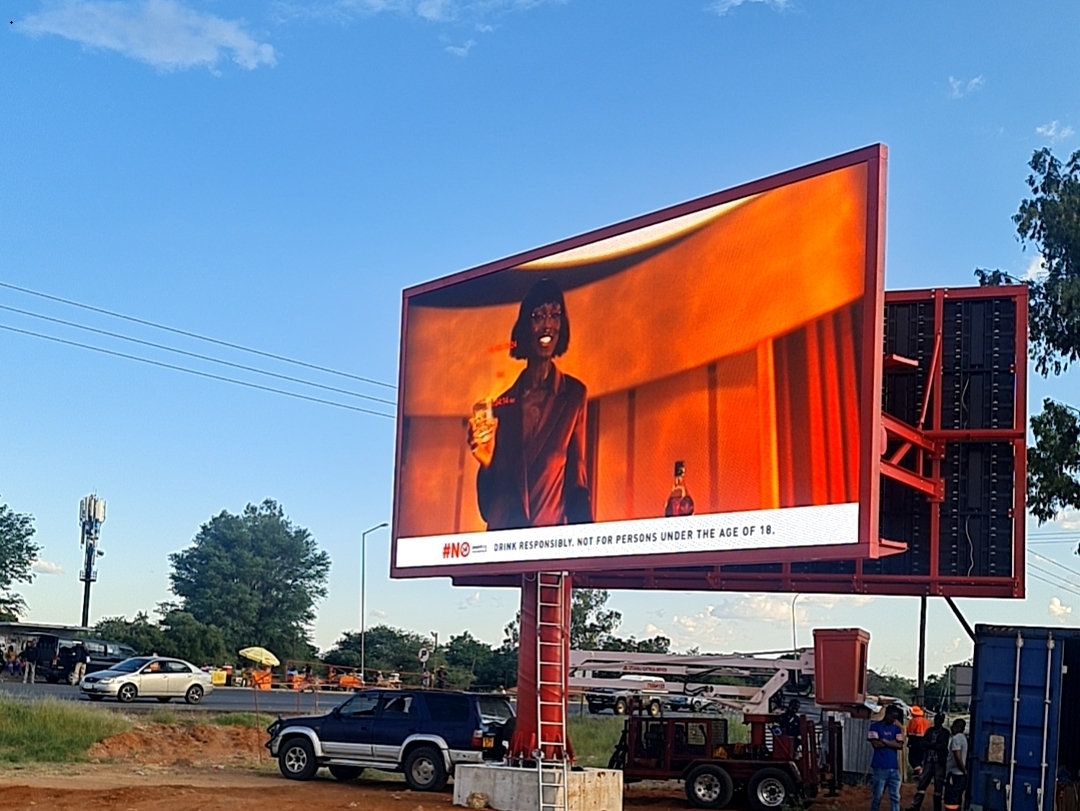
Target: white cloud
{"points": [[1054, 133], [953, 646], [375, 612], [761, 608], [960, 88], [703, 630], [436, 10], [722, 7], [440, 11], [1035, 269], [162, 33], [460, 50], [1058, 610], [1068, 519], [470, 601], [831, 601], [47, 567]]}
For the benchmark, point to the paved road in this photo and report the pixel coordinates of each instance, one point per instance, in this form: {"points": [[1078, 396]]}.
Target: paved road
{"points": [[223, 699]]}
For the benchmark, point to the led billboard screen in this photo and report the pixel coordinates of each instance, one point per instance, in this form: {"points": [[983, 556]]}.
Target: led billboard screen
{"points": [[688, 387]]}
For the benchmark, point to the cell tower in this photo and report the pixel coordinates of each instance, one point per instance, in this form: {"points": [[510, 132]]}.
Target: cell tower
{"points": [[91, 517]]}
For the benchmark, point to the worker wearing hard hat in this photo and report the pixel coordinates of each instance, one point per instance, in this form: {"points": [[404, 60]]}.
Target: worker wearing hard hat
{"points": [[935, 762], [916, 728]]}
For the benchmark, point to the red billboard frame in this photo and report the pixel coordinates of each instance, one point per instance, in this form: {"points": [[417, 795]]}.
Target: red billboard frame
{"points": [[869, 544]]}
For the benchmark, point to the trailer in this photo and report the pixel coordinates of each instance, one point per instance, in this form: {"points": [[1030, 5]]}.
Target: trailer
{"points": [[788, 757], [777, 768]]}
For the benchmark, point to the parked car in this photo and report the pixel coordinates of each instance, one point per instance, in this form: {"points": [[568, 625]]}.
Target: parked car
{"points": [[423, 733], [56, 656], [620, 701], [148, 677]]}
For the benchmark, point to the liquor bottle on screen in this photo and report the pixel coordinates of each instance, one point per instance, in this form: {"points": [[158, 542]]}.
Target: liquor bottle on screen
{"points": [[679, 502]]}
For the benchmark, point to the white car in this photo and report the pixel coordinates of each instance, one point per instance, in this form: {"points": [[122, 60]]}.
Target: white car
{"points": [[148, 677]]}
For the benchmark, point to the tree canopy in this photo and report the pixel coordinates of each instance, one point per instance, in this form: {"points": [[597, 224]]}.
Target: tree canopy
{"points": [[1049, 220], [593, 626], [17, 555], [470, 663], [177, 633], [255, 576]]}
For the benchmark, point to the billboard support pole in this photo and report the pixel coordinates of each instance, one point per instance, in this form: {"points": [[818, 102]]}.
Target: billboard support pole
{"points": [[921, 693], [543, 660]]}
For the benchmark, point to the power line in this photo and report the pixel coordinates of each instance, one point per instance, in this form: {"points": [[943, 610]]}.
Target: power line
{"points": [[1053, 578], [1057, 585], [196, 335], [1055, 563], [196, 355], [196, 372]]}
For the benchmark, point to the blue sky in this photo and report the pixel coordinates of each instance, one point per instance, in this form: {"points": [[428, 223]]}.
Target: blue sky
{"points": [[272, 174]]}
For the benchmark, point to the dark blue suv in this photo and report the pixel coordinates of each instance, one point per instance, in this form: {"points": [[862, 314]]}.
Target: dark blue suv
{"points": [[423, 733]]}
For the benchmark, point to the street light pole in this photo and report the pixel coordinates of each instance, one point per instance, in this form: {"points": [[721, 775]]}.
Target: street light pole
{"points": [[363, 595]]}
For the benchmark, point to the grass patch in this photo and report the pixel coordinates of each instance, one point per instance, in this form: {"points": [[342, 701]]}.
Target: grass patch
{"points": [[163, 715], [243, 719], [594, 739], [51, 731]]}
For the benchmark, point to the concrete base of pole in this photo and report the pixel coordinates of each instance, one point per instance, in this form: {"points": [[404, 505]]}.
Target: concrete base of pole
{"points": [[512, 788]]}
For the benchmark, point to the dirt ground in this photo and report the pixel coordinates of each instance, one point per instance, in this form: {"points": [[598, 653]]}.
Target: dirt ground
{"points": [[204, 768]]}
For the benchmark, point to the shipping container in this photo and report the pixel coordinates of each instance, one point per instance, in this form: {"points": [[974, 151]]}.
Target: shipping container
{"points": [[1025, 719]]}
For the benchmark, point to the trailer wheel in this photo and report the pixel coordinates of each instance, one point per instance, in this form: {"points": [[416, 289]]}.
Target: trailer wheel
{"points": [[620, 706], [708, 786], [654, 708], [770, 789]]}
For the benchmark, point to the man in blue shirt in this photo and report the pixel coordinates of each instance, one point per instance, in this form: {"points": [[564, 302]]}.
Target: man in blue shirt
{"points": [[887, 738]]}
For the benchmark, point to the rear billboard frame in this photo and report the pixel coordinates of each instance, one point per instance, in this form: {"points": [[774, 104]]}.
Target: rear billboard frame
{"points": [[869, 544]]}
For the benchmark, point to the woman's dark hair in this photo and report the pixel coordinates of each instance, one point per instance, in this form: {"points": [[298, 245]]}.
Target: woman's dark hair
{"points": [[545, 291]]}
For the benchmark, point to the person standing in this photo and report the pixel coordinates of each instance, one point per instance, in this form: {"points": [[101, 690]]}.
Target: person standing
{"points": [[29, 656], [956, 779], [81, 658], [935, 761], [887, 738], [916, 728]]}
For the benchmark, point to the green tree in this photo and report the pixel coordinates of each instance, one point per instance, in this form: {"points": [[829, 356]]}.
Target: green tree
{"points": [[890, 684], [466, 656], [385, 648], [591, 624], [17, 555], [187, 638], [256, 577], [654, 644], [140, 633], [177, 634], [1049, 221], [500, 670]]}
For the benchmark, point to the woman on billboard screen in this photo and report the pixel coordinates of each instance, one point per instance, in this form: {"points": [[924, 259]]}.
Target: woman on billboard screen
{"points": [[530, 441]]}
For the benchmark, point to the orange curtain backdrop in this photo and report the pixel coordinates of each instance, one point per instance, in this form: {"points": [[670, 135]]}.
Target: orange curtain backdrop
{"points": [[817, 404], [757, 271]]}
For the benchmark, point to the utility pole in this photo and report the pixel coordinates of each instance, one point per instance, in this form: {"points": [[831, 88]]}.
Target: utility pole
{"points": [[91, 517], [363, 596]]}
